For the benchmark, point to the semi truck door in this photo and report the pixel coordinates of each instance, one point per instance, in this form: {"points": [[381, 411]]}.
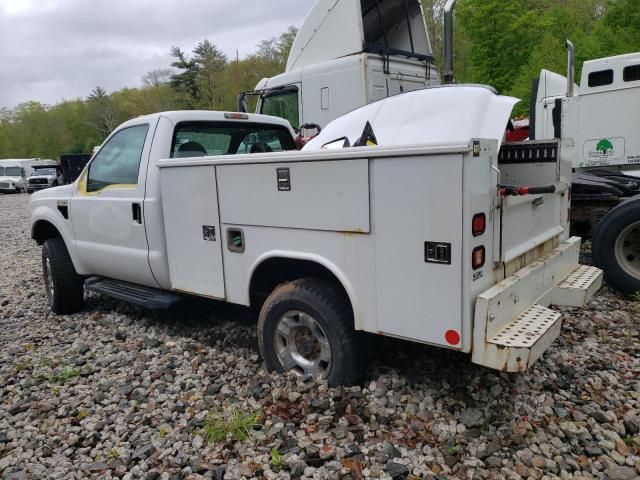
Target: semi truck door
{"points": [[106, 208]]}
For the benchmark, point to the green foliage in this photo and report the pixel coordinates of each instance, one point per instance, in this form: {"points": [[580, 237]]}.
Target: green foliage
{"points": [[505, 43], [22, 365], [636, 297], [276, 458], [232, 422], [164, 430], [62, 376]]}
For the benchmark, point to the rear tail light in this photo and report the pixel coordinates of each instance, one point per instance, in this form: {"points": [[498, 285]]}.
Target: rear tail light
{"points": [[479, 224], [477, 258]]}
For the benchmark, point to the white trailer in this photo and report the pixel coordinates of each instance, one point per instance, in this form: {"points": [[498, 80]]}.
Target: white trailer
{"points": [[431, 233]]}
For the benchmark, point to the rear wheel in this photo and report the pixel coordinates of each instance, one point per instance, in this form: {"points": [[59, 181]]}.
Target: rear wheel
{"points": [[63, 286], [306, 326], [616, 247]]}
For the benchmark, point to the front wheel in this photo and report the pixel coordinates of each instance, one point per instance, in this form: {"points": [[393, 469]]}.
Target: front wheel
{"points": [[63, 286], [306, 326], [616, 247]]}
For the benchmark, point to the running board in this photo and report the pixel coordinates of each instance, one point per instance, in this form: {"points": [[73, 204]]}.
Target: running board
{"points": [[512, 324], [147, 297]]}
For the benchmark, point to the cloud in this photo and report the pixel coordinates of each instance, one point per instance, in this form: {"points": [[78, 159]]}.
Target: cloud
{"points": [[59, 49]]}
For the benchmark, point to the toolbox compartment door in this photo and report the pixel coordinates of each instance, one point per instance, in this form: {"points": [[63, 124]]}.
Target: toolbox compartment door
{"points": [[192, 229], [418, 203]]}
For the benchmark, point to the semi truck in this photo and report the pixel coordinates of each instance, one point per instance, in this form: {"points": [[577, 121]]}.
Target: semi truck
{"points": [[396, 220], [596, 122], [346, 54]]}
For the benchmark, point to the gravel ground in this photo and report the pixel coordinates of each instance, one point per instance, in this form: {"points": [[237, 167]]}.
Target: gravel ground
{"points": [[120, 392]]}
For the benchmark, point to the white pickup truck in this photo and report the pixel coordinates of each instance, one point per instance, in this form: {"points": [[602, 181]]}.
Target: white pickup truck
{"points": [[403, 218]]}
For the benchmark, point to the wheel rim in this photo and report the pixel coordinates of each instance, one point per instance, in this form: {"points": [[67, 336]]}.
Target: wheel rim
{"points": [[627, 250], [301, 345], [48, 280]]}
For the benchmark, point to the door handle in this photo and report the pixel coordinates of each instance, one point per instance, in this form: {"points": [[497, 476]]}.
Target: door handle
{"points": [[136, 212]]}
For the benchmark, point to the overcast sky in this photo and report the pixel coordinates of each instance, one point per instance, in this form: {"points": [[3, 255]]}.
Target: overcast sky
{"points": [[52, 50]]}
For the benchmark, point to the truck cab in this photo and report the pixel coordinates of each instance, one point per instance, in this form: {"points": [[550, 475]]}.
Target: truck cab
{"points": [[110, 218], [349, 53], [12, 178], [599, 116], [44, 176]]}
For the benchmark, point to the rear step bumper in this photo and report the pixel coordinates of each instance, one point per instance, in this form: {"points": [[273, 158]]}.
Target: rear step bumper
{"points": [[512, 324], [146, 297]]}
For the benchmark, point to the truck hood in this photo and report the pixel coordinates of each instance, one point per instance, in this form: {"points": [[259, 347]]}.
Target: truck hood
{"points": [[435, 115], [55, 193]]}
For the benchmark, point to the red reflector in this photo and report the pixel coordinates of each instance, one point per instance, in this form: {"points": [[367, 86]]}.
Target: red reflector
{"points": [[477, 259], [236, 116], [479, 224], [452, 337]]}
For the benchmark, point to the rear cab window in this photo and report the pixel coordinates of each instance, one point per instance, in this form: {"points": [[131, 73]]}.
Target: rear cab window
{"points": [[204, 138]]}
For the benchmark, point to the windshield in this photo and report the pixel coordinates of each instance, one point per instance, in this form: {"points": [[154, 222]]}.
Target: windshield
{"points": [[283, 105], [44, 171], [11, 171]]}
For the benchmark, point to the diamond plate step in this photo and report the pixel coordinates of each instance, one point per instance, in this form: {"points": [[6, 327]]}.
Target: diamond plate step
{"points": [[527, 328], [578, 287]]}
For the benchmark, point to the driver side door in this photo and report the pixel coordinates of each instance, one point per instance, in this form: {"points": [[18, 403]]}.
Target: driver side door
{"points": [[107, 208]]}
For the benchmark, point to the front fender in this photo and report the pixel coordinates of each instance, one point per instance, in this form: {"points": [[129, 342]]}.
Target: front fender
{"points": [[44, 212]]}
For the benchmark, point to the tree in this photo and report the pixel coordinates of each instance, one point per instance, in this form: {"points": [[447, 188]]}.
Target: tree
{"points": [[156, 78], [184, 82], [211, 64], [103, 114]]}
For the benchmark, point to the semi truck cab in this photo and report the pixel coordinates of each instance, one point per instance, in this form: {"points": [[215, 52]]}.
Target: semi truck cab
{"points": [[349, 53]]}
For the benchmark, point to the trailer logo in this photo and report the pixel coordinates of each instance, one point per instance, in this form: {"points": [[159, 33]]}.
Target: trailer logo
{"points": [[605, 147], [602, 151]]}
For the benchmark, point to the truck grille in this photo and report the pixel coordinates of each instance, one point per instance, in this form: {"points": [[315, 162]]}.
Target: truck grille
{"points": [[38, 181], [4, 185]]}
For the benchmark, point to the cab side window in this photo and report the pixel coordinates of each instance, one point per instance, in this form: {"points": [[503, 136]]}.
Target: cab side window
{"points": [[118, 161]]}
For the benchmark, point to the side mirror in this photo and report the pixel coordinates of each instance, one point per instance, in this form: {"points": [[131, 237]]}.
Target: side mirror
{"points": [[242, 103]]}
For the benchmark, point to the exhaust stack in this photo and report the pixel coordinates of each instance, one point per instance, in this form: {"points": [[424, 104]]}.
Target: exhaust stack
{"points": [[448, 41], [571, 68]]}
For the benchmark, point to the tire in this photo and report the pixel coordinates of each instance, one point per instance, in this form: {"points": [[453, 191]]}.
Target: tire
{"points": [[616, 247], [63, 286], [317, 311]]}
